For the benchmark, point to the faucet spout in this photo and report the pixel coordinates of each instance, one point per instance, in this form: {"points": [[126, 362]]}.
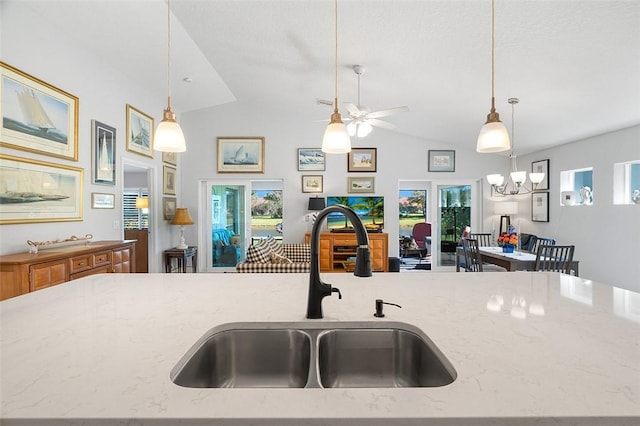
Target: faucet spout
{"points": [[318, 289]]}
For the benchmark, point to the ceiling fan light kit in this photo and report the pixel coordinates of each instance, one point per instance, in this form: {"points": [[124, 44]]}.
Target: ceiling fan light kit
{"points": [[493, 136], [336, 140]]}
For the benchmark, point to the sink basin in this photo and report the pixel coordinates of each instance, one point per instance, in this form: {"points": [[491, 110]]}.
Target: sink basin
{"points": [[380, 358], [313, 355], [246, 358]]}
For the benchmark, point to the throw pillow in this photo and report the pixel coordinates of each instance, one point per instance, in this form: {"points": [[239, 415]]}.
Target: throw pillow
{"points": [[276, 258], [274, 245], [259, 253]]}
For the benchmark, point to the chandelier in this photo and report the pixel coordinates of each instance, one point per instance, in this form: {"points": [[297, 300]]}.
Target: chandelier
{"points": [[517, 178]]}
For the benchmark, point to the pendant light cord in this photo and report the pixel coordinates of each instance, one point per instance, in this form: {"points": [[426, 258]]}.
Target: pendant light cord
{"points": [[169, 53], [336, 53], [493, 49]]}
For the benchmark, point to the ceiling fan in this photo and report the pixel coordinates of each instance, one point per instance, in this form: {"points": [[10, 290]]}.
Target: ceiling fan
{"points": [[362, 119]]}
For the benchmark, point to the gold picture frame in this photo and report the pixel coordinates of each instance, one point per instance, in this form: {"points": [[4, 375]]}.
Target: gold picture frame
{"points": [[312, 183], [170, 158], [362, 160], [37, 191], [168, 180], [168, 207], [101, 200], [240, 154], [139, 132], [37, 116], [361, 185]]}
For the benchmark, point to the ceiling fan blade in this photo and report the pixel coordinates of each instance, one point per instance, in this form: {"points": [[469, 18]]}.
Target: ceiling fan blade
{"points": [[386, 112], [352, 108], [380, 123]]}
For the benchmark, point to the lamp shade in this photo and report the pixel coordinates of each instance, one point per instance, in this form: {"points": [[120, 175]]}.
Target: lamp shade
{"points": [[316, 204], [169, 137], [142, 203], [506, 207], [182, 217], [493, 137], [336, 139]]}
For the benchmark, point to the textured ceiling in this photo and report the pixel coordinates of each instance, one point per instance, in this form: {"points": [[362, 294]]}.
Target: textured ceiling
{"points": [[575, 65]]}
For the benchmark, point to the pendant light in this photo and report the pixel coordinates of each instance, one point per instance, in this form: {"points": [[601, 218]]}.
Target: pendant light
{"points": [[493, 136], [336, 140], [169, 136]]}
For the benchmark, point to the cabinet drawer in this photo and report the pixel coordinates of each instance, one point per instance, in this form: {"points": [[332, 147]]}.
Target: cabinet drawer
{"points": [[345, 242], [102, 258], [81, 263], [100, 270]]}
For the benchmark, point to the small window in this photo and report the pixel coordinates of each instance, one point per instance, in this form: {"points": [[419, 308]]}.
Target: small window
{"points": [[626, 183], [412, 205], [576, 187], [134, 218]]}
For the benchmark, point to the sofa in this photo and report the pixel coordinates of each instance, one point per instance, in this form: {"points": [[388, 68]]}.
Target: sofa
{"points": [[225, 247], [269, 256]]}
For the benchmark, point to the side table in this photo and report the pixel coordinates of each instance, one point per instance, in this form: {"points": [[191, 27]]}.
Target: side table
{"points": [[182, 255]]}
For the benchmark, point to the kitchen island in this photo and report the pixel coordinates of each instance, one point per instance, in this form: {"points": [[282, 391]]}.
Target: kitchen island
{"points": [[528, 349]]}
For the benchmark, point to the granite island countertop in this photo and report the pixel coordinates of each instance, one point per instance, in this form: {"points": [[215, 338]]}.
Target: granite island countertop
{"points": [[528, 348]]}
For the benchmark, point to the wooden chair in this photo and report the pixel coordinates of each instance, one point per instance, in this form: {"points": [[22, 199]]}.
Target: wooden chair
{"points": [[537, 241], [472, 257], [484, 240], [554, 258]]}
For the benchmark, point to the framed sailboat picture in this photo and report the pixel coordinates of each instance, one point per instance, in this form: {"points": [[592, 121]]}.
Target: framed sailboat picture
{"points": [[103, 145], [240, 154], [37, 116], [35, 191], [139, 132]]}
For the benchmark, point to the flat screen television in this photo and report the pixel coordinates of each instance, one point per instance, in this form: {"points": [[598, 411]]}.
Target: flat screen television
{"points": [[369, 209]]}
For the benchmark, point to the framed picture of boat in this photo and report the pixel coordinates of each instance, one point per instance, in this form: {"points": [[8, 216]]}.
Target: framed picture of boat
{"points": [[311, 159], [139, 132], [35, 191], [240, 154], [37, 116], [100, 200], [103, 145]]}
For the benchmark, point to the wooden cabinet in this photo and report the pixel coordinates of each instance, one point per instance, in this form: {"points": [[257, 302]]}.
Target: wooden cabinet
{"points": [[337, 247], [142, 248], [22, 273]]}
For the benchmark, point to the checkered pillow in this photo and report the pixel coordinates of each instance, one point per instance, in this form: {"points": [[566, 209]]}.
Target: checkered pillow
{"points": [[274, 246], [276, 258], [259, 253]]}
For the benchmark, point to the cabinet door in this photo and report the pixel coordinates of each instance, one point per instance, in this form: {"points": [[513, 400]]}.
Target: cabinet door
{"points": [[326, 255], [376, 247], [47, 274], [122, 260]]}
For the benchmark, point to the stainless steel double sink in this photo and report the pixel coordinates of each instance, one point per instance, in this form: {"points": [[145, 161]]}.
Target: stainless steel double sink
{"points": [[313, 355]]}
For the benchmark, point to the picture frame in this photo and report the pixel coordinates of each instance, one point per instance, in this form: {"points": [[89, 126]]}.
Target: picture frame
{"points": [[39, 191], [103, 146], [37, 116], [361, 185], [540, 207], [140, 130], [362, 160], [442, 160], [168, 180], [311, 159], [312, 183], [100, 200], [170, 158], [541, 166], [240, 154], [168, 208]]}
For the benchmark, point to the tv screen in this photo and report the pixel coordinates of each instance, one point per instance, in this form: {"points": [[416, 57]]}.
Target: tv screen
{"points": [[370, 210]]}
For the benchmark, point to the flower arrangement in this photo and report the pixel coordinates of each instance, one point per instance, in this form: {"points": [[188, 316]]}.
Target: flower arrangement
{"points": [[508, 240]]}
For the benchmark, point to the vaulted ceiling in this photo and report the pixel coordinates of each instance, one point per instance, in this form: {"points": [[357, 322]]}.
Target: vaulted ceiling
{"points": [[574, 65]]}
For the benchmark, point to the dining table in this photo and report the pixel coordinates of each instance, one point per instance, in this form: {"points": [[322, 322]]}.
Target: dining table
{"points": [[516, 261]]}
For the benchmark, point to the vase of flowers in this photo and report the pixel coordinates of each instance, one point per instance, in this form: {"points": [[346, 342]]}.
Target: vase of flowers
{"points": [[508, 240]]}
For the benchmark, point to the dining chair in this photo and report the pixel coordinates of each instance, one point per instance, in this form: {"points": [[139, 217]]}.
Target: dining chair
{"points": [[484, 240], [537, 241], [555, 258], [472, 257]]}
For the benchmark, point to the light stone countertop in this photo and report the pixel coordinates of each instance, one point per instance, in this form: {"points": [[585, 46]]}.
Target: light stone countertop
{"points": [[99, 350]]}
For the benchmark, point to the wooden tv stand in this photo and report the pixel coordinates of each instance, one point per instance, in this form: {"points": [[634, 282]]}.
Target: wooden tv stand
{"points": [[336, 247]]}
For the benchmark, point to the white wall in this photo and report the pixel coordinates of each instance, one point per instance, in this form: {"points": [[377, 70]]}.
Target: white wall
{"points": [[35, 46]]}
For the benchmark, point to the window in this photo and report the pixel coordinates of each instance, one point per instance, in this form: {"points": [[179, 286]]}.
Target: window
{"points": [[576, 187], [626, 183], [134, 218], [412, 205], [266, 213], [455, 212]]}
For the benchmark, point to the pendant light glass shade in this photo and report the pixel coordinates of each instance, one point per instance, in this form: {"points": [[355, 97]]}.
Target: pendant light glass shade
{"points": [[336, 139], [493, 136], [168, 136]]}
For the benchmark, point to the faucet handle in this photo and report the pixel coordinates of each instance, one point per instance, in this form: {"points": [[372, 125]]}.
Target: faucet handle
{"points": [[336, 290]]}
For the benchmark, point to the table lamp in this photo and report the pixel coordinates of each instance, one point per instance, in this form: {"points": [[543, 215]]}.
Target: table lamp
{"points": [[142, 203], [505, 208], [315, 205], [182, 218]]}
